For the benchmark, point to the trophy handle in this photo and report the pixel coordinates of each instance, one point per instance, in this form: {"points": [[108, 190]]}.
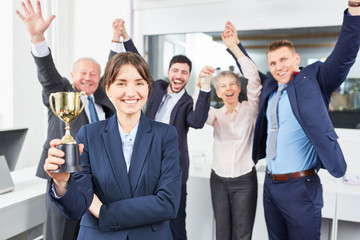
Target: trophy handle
{"points": [[51, 104], [82, 107]]}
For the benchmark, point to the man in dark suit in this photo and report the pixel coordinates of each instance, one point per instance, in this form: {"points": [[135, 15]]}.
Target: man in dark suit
{"points": [[294, 105], [170, 103], [85, 77]]}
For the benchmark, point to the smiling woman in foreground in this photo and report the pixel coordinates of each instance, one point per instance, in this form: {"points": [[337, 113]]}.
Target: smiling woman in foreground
{"points": [[131, 182]]}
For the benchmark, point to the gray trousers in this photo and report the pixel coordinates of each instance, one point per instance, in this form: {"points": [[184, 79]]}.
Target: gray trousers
{"points": [[234, 205], [58, 227]]}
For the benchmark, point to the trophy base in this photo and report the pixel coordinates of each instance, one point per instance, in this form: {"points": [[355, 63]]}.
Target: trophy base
{"points": [[72, 159]]}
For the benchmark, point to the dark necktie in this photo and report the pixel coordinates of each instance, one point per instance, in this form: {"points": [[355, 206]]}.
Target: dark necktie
{"points": [[92, 110], [274, 123]]}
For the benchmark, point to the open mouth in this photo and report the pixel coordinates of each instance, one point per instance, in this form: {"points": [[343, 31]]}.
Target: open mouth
{"points": [[178, 82], [282, 73], [229, 94]]}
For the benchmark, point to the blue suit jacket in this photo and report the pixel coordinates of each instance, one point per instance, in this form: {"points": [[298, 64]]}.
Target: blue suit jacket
{"points": [[182, 116], [137, 205], [309, 95]]}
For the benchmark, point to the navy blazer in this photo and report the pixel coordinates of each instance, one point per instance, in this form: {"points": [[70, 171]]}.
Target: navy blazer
{"points": [[137, 205], [309, 95], [182, 116]]}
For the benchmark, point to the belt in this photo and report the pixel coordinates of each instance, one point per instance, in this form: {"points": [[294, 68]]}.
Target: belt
{"points": [[288, 176]]}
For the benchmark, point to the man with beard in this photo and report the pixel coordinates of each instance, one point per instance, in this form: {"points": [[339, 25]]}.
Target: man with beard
{"points": [[169, 103]]}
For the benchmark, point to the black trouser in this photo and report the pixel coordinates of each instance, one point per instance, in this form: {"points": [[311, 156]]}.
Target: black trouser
{"points": [[177, 225], [234, 204]]}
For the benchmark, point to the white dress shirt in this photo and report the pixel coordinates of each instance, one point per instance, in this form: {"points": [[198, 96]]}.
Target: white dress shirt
{"points": [[170, 104], [234, 131]]}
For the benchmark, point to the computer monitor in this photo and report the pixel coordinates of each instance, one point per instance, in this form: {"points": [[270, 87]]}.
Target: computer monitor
{"points": [[11, 142]]}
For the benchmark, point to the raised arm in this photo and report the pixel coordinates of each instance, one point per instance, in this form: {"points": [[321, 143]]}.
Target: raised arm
{"points": [[204, 82], [35, 24], [231, 40], [230, 30], [118, 31], [198, 115], [337, 66]]}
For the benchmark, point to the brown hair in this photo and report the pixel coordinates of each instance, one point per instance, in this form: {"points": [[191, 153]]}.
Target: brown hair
{"points": [[116, 62], [279, 44], [181, 59]]}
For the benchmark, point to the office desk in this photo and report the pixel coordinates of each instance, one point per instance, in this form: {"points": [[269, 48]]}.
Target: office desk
{"points": [[347, 211], [23, 208]]}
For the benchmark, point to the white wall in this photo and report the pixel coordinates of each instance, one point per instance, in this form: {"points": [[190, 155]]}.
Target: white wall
{"points": [[6, 63], [20, 94], [90, 29]]}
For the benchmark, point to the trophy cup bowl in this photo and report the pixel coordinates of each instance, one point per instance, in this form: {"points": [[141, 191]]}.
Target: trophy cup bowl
{"points": [[67, 108]]}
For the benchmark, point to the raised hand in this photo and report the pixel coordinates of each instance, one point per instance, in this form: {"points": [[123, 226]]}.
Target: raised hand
{"points": [[231, 40], [231, 30], [34, 21], [119, 30], [205, 76]]}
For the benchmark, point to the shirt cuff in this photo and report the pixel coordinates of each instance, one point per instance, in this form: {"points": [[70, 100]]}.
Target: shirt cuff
{"points": [[203, 90], [116, 47], [40, 50], [54, 191]]}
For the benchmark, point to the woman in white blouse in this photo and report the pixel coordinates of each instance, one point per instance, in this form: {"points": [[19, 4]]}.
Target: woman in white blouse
{"points": [[233, 179]]}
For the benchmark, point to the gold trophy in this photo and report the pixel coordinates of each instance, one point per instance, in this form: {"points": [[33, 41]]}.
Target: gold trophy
{"points": [[67, 108]]}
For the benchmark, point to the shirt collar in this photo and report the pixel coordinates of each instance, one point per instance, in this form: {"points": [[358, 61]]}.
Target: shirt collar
{"points": [[225, 111], [176, 96], [92, 95], [127, 137]]}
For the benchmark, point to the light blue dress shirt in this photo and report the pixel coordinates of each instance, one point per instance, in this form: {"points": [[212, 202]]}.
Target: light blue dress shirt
{"points": [[128, 144], [294, 151]]}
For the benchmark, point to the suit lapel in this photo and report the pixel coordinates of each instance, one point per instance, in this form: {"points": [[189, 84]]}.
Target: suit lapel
{"points": [[113, 147], [292, 97], [141, 148], [154, 102]]}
